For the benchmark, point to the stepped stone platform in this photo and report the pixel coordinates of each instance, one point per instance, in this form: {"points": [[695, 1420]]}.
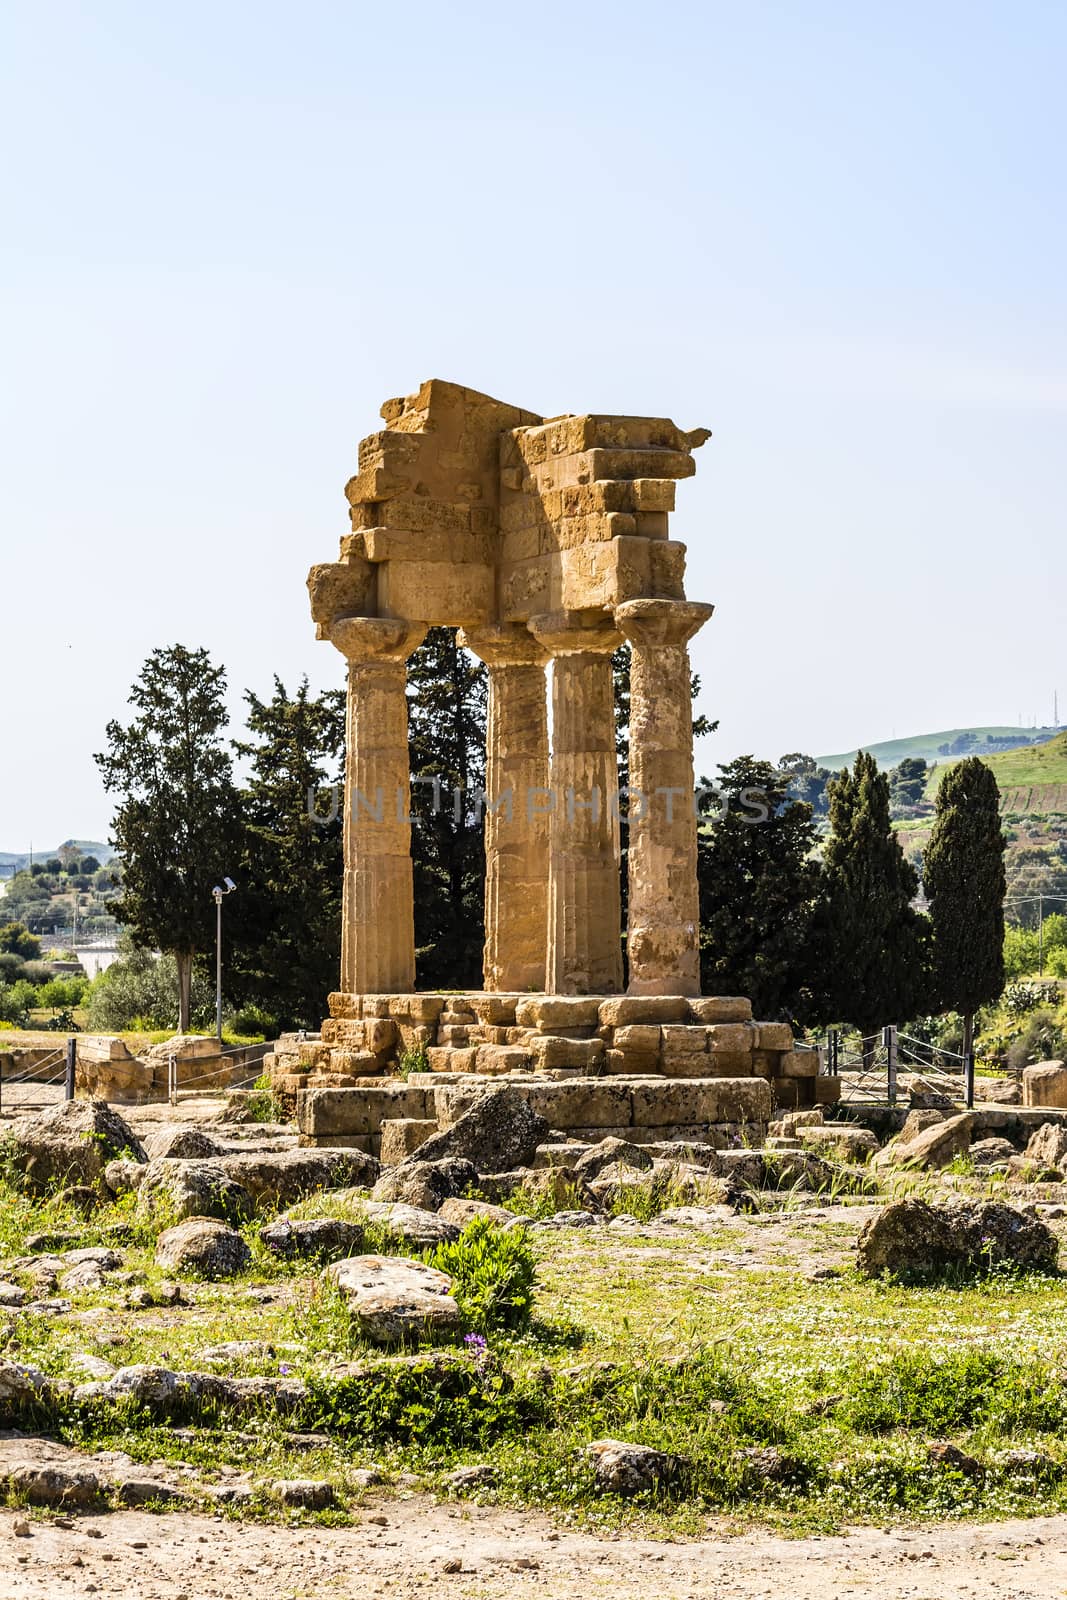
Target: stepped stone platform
{"points": [[650, 1067]]}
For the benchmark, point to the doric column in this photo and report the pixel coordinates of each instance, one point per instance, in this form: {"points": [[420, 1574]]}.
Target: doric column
{"points": [[378, 919], [663, 939], [516, 815], [584, 911]]}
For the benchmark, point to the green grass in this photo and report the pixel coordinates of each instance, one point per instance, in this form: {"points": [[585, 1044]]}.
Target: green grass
{"points": [[1042, 766], [924, 746]]}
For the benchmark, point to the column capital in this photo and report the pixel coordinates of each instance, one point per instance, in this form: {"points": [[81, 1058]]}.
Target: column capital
{"points": [[572, 633], [661, 622], [363, 639], [504, 644]]}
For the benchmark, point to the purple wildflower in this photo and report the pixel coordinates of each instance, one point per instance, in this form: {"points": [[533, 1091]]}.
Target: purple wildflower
{"points": [[475, 1343]]}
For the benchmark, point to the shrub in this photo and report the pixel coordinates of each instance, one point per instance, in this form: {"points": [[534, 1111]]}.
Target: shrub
{"points": [[492, 1270], [1043, 1039]]}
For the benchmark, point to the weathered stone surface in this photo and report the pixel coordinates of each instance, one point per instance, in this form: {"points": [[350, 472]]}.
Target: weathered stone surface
{"points": [[181, 1144], [307, 1494], [459, 1212], [498, 1132], [647, 1008], [322, 1238], [610, 1152], [402, 1136], [426, 1184], [70, 1143], [631, 1469], [1045, 1084], [991, 1152], [1047, 1147], [911, 1238], [409, 1225], [549, 1012], [720, 1008], [936, 1146], [282, 1177], [657, 1104], [53, 1484], [324, 1112], [840, 1138], [206, 1248], [395, 1300], [124, 1175], [193, 1189]]}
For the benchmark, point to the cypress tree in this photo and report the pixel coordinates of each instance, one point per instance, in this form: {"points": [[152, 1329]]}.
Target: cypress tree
{"points": [[758, 882], [963, 873], [872, 943]]}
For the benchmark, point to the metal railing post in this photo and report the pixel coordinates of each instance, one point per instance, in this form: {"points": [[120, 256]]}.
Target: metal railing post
{"points": [[172, 1079], [968, 1080], [889, 1039], [72, 1060]]}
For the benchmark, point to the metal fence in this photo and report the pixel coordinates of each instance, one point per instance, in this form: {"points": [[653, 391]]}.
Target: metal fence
{"points": [[872, 1076], [208, 1083], [42, 1084]]}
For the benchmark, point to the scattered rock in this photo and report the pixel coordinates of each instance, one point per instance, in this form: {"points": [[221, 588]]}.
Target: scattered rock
{"points": [[410, 1225], [394, 1299], [461, 1212], [182, 1144], [207, 1248], [499, 1133], [47, 1484], [82, 1197], [766, 1463], [482, 1476], [695, 1216], [425, 1184], [942, 1453], [914, 1239], [317, 1238], [282, 1177], [934, 1147], [11, 1295], [992, 1152], [631, 1469], [23, 1392], [71, 1142], [611, 1152], [1048, 1145], [124, 1175], [844, 1139], [309, 1494], [193, 1189]]}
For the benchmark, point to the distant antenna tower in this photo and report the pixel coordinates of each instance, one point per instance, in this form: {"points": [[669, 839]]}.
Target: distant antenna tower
{"points": [[1056, 709]]}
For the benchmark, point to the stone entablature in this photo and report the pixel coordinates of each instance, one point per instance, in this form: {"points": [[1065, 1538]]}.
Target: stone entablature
{"points": [[544, 541]]}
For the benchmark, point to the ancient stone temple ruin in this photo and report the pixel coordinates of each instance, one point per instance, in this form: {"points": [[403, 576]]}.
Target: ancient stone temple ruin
{"points": [[546, 542]]}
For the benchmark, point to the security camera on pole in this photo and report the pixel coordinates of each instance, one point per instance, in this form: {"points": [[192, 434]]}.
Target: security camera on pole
{"points": [[218, 894]]}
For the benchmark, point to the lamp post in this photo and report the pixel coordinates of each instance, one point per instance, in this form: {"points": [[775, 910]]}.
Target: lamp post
{"points": [[218, 894]]}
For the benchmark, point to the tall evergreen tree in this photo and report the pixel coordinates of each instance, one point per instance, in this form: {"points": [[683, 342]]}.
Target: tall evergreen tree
{"points": [[964, 878], [287, 917], [758, 883], [447, 691], [176, 824], [872, 943]]}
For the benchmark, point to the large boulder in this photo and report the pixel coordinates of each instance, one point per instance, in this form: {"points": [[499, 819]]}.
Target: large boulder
{"points": [[611, 1152], [1045, 1084], [394, 1300], [934, 1147], [426, 1184], [913, 1239], [314, 1238], [70, 1143], [203, 1247], [498, 1133], [409, 1225], [282, 1177], [181, 1144], [1048, 1146], [193, 1189], [630, 1469]]}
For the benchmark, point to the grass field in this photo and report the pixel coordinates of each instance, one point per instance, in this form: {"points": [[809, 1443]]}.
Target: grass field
{"points": [[925, 745], [1032, 779]]}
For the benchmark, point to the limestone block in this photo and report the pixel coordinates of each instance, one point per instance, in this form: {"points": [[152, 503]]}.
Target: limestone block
{"points": [[340, 589], [314, 1055], [699, 1100], [441, 593], [667, 569], [684, 1038], [791, 1093], [349, 1006], [798, 1064], [653, 494], [356, 1111], [721, 1008], [450, 1059], [416, 1035], [501, 1058], [580, 1102], [774, 1036], [765, 1062], [827, 1090], [498, 1009], [729, 1064], [594, 575], [379, 1034], [377, 1005], [1045, 1084], [621, 1010], [643, 1037], [416, 1007], [344, 1031], [731, 1036], [551, 1050], [689, 1064], [402, 1136], [549, 1011], [354, 1062], [453, 1034], [633, 1062]]}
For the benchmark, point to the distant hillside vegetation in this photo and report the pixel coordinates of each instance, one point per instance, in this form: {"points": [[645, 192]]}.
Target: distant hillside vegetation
{"points": [[1032, 780], [928, 746]]}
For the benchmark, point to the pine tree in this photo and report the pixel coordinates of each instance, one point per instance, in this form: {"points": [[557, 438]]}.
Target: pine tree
{"points": [[176, 825], [964, 878], [447, 691], [287, 917], [758, 884], [871, 943]]}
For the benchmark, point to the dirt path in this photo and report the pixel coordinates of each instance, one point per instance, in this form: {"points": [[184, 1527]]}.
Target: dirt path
{"points": [[466, 1553]]}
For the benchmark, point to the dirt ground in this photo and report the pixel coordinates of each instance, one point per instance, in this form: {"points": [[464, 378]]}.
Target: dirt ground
{"points": [[467, 1553]]}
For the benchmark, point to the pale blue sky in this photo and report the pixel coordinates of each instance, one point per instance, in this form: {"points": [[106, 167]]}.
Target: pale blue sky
{"points": [[833, 233]]}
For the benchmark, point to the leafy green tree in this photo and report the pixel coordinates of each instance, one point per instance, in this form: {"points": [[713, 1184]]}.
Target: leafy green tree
{"points": [[963, 874], [18, 941], [287, 916], [176, 823], [907, 782], [807, 780], [138, 990], [447, 690], [758, 884], [870, 942]]}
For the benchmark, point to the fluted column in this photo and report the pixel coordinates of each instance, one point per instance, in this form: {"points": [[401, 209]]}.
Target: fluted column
{"points": [[663, 938], [584, 910], [516, 814], [378, 918]]}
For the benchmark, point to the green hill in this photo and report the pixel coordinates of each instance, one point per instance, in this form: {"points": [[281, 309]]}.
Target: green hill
{"points": [[926, 745], [1032, 780]]}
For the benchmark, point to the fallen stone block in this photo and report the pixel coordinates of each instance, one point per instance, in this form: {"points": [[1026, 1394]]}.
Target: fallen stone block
{"points": [[394, 1300], [913, 1239]]}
